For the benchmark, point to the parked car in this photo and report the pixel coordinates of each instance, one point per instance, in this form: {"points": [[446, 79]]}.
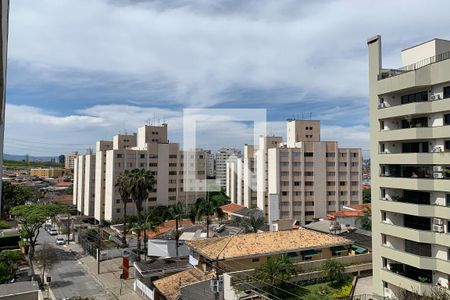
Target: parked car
{"points": [[53, 231], [59, 241]]}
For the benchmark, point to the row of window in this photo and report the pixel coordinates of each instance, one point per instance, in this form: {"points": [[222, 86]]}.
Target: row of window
{"points": [[171, 156], [311, 193], [311, 154]]}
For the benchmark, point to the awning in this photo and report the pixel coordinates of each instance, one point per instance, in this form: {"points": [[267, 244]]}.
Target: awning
{"points": [[309, 253], [359, 250], [338, 249]]}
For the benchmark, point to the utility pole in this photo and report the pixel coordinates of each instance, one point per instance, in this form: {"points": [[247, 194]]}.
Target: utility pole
{"points": [[99, 246], [68, 227]]}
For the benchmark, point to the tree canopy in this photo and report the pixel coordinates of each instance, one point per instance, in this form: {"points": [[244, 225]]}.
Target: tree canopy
{"points": [[16, 194]]}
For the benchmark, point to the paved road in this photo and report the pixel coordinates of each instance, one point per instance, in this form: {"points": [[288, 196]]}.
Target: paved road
{"points": [[69, 278]]}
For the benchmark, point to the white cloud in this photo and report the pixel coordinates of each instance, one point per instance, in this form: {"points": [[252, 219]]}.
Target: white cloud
{"points": [[203, 48], [30, 130]]}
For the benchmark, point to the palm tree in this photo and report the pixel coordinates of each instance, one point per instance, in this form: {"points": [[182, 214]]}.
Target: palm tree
{"points": [[123, 186], [205, 208], [141, 184], [176, 212], [275, 271], [254, 222], [151, 223]]}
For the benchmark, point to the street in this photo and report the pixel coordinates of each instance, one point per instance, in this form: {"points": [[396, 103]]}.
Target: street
{"points": [[68, 277]]}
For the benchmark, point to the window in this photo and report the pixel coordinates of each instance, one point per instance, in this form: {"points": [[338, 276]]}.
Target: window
{"points": [[330, 164], [309, 154], [172, 164], [309, 193], [255, 259], [354, 154], [331, 203], [309, 203], [343, 154], [297, 173], [118, 210], [447, 119], [416, 97], [355, 164], [296, 154], [354, 193], [448, 200], [284, 154], [285, 183], [284, 193], [343, 193], [330, 154], [309, 183], [331, 193], [284, 173], [119, 155], [284, 163], [172, 172], [331, 183], [172, 156], [172, 198], [447, 92], [447, 145], [309, 164], [296, 183], [142, 155], [118, 201], [355, 183], [331, 173], [342, 164], [342, 183], [153, 164], [309, 173], [296, 164], [421, 249]]}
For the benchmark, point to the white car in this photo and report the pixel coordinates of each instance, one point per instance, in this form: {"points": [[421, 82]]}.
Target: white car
{"points": [[53, 231], [59, 241]]}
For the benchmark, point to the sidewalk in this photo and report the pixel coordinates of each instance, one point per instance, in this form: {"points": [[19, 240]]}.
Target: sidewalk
{"points": [[109, 277]]}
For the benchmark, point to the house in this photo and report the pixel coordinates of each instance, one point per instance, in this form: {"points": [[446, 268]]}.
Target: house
{"points": [[350, 214], [231, 210], [164, 244], [147, 272], [169, 288], [26, 290], [247, 251]]}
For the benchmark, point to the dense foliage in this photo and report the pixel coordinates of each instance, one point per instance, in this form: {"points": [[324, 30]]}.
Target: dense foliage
{"points": [[16, 194]]}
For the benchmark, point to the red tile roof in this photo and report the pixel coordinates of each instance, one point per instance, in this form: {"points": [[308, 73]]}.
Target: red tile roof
{"points": [[168, 225], [232, 208]]}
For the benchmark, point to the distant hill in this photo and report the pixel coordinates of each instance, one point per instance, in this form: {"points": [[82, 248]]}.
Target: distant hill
{"points": [[30, 158]]}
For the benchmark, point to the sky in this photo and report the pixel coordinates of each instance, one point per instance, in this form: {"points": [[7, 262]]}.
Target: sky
{"points": [[84, 70]]}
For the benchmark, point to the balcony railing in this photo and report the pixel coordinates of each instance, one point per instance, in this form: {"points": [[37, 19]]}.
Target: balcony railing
{"points": [[412, 67], [415, 172]]}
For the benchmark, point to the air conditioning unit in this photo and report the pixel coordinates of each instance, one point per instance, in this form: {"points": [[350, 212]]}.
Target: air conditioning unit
{"points": [[438, 175], [438, 221], [438, 228], [437, 168], [381, 105]]}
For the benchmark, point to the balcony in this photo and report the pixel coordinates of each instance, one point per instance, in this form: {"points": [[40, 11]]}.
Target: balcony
{"points": [[414, 133], [386, 110], [434, 172], [404, 282], [420, 236], [426, 210], [420, 262]]}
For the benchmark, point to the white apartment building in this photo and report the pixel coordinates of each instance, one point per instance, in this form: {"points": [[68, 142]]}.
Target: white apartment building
{"points": [[177, 173], [69, 160], [210, 165], [222, 156], [302, 179], [410, 160]]}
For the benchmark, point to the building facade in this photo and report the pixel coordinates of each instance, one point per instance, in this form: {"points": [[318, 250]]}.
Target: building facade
{"points": [[180, 175], [47, 172], [410, 163], [69, 160], [301, 179], [210, 165], [222, 156]]}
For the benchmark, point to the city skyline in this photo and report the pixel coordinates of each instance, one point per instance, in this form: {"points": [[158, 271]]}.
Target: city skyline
{"points": [[71, 75]]}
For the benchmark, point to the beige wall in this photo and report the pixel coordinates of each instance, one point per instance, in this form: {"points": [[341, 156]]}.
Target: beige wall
{"points": [[47, 172], [89, 185], [430, 78]]}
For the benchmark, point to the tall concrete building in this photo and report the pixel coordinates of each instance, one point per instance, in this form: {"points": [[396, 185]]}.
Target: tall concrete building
{"points": [[4, 9], [301, 179], [69, 160], [222, 156], [410, 164], [180, 175], [210, 165]]}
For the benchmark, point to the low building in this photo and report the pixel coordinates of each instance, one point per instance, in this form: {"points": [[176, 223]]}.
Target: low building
{"points": [[247, 251], [351, 215], [47, 172], [231, 210], [147, 272], [27, 290], [170, 287]]}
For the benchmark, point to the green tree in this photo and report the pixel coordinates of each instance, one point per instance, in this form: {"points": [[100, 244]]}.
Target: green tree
{"points": [[32, 217], [153, 219], [123, 186], [334, 271], [219, 197], [16, 194], [365, 222], [254, 222], [275, 271], [45, 258], [177, 211], [62, 159], [9, 264], [142, 182], [206, 208], [367, 196]]}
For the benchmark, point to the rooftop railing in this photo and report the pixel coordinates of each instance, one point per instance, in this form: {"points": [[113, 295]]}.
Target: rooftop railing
{"points": [[412, 67]]}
